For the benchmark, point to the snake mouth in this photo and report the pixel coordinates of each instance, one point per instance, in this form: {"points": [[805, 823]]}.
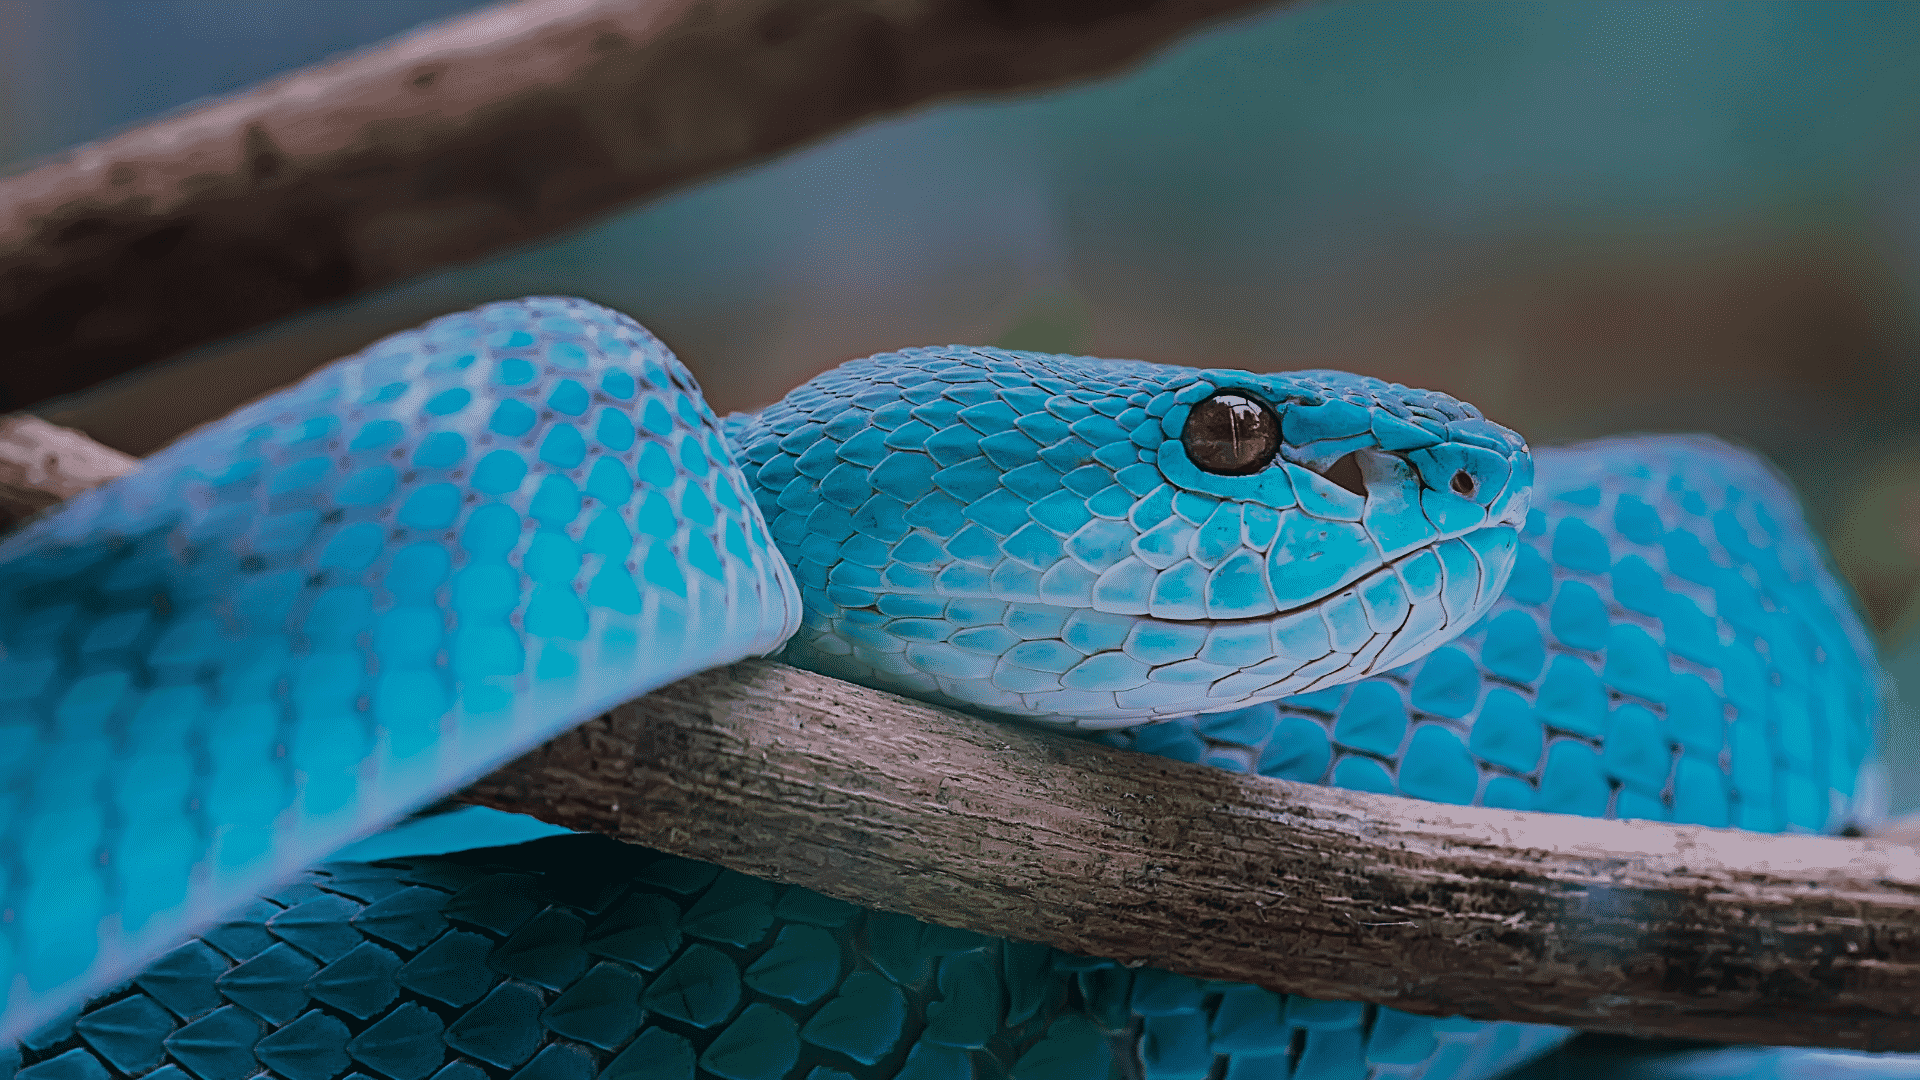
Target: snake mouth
{"points": [[1391, 566], [1316, 602]]}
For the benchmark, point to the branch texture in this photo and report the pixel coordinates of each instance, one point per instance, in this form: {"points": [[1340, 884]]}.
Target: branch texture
{"points": [[495, 130], [1629, 927]]}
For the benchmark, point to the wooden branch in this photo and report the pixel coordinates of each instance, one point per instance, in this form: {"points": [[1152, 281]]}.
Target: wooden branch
{"points": [[483, 133], [1630, 927]]}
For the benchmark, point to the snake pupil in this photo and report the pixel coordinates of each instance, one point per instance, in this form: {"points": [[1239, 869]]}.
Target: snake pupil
{"points": [[1462, 483], [1231, 434]]}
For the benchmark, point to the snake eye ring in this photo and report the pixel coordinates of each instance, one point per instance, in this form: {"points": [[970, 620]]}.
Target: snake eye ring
{"points": [[1231, 434], [1463, 483]]}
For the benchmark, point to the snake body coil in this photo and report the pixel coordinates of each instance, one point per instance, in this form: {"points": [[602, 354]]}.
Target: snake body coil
{"points": [[349, 598]]}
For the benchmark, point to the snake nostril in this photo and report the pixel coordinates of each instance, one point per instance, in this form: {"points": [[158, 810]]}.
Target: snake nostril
{"points": [[1463, 483], [1346, 473]]}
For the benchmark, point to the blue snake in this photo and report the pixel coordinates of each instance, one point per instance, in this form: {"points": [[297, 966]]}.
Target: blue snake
{"points": [[300, 624]]}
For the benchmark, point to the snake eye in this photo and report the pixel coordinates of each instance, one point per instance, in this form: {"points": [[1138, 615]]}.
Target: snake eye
{"points": [[1231, 434], [1462, 483]]}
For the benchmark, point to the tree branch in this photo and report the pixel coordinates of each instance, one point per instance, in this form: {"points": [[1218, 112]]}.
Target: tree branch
{"points": [[480, 134], [1630, 927]]}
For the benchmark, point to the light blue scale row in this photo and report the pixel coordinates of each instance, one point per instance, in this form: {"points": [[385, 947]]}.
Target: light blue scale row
{"points": [[297, 592]]}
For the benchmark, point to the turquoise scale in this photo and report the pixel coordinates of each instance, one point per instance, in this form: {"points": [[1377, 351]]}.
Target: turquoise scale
{"points": [[292, 627], [644, 966], [1670, 645]]}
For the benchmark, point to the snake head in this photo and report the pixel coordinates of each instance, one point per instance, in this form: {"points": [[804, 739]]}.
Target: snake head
{"points": [[1099, 543]]}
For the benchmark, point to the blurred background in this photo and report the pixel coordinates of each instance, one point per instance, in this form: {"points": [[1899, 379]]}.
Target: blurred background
{"points": [[1586, 218]]}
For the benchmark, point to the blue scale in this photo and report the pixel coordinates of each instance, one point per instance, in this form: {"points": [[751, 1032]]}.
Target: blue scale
{"points": [[344, 601]]}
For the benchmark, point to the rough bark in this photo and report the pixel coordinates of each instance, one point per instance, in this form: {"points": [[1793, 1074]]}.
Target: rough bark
{"points": [[1630, 927], [482, 133]]}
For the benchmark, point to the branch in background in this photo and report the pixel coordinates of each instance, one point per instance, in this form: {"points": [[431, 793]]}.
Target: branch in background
{"points": [[480, 134], [1631, 927]]}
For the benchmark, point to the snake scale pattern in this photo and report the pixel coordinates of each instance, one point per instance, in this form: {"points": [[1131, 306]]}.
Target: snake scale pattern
{"points": [[298, 625]]}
